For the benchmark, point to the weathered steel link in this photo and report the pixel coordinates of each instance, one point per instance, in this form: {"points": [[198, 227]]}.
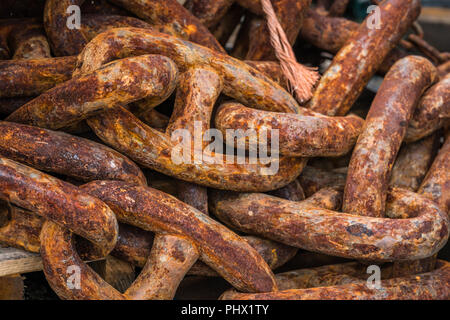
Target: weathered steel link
{"points": [[58, 254], [313, 179], [168, 16], [151, 148], [413, 162], [63, 40], [19, 78], [209, 12], [331, 33], [384, 129], [436, 184], [152, 210], [172, 256], [299, 135], [431, 112], [293, 191], [241, 82], [29, 43], [424, 286], [339, 234], [58, 201], [117, 83], [65, 154], [358, 60], [150, 79]]}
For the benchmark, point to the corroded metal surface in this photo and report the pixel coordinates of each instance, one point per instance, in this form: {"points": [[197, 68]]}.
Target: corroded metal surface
{"points": [[358, 60], [65, 154], [170, 17], [242, 82], [431, 112], [344, 205], [152, 149], [58, 201], [436, 184], [32, 77], [384, 129], [340, 234], [118, 83], [209, 12], [152, 210], [425, 286], [309, 135], [413, 162]]}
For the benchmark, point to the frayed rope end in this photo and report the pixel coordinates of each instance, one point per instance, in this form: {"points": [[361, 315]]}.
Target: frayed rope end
{"points": [[301, 79]]}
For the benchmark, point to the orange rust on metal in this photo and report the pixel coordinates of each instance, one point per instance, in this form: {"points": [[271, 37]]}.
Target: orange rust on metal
{"points": [[12, 30], [313, 179], [64, 41], [384, 129], [290, 14], [20, 78], [59, 257], [209, 12], [358, 60], [324, 276], [293, 191], [241, 82], [413, 162], [274, 253], [168, 16], [308, 135], [303, 225], [327, 33], [152, 149], [152, 210], [67, 41], [331, 33], [65, 154], [117, 83], [58, 201], [271, 69], [436, 184], [29, 42], [94, 24], [172, 256], [425, 286], [133, 245], [154, 119], [431, 112]]}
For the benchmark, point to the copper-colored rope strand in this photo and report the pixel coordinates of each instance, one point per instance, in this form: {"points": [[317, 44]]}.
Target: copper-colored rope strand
{"points": [[301, 79]]}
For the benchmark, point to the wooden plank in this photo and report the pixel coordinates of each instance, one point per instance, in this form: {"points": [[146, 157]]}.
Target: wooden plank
{"points": [[16, 261]]}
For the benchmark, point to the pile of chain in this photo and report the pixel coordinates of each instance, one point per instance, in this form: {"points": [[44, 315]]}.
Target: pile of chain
{"points": [[81, 141]]}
